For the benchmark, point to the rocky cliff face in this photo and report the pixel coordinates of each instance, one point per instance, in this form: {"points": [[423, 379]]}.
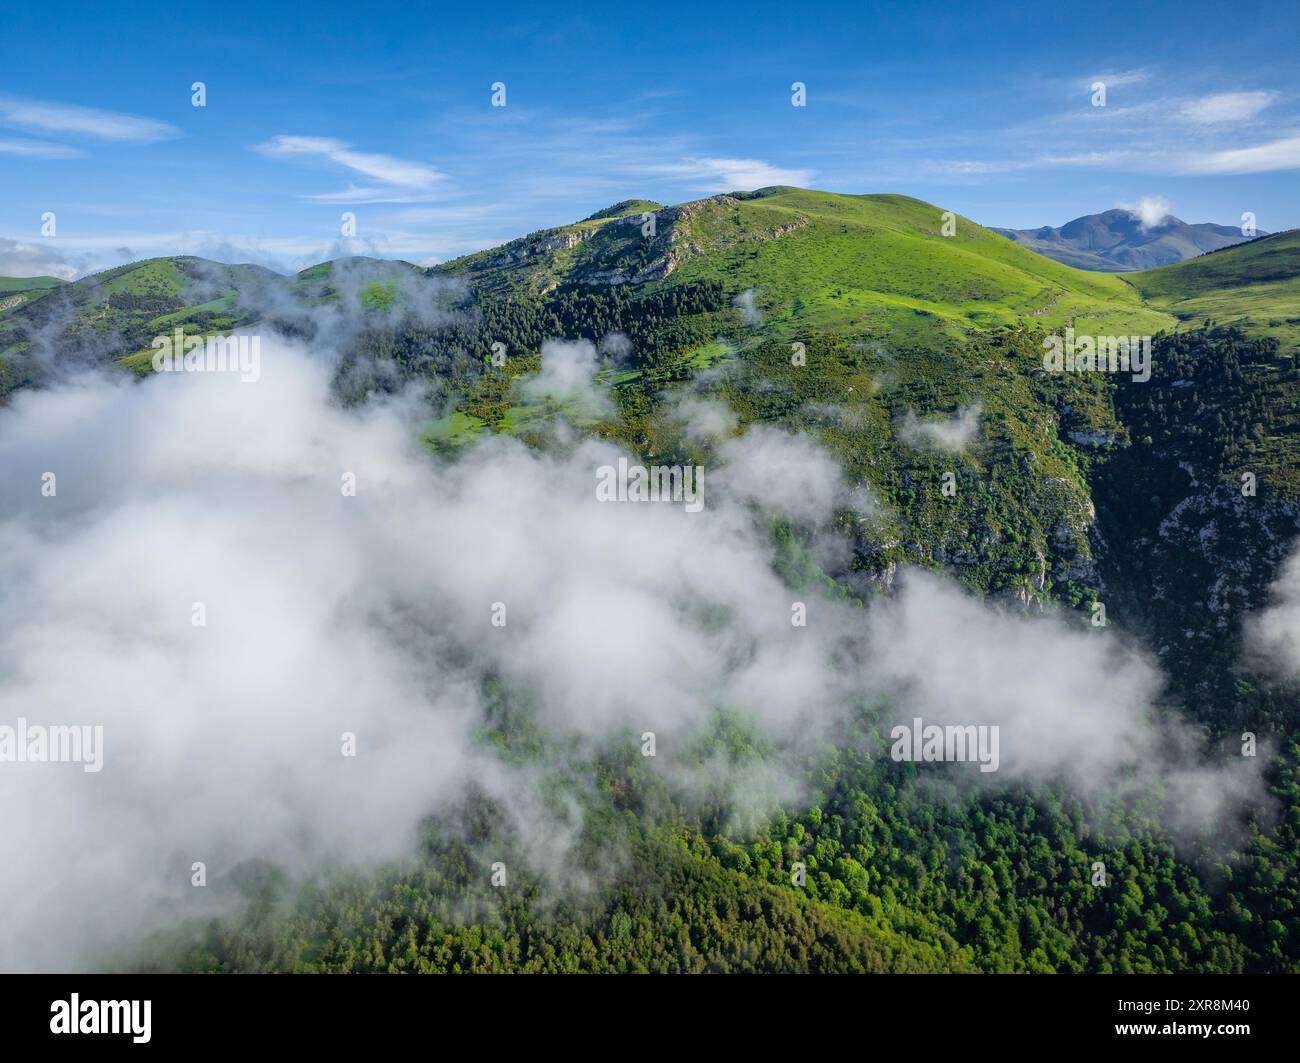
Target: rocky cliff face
{"points": [[1183, 559], [674, 241], [556, 241]]}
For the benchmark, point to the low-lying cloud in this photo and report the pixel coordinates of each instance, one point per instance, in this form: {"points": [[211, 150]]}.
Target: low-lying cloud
{"points": [[1150, 211], [1273, 634], [747, 303], [348, 583], [952, 435], [568, 377], [23, 258]]}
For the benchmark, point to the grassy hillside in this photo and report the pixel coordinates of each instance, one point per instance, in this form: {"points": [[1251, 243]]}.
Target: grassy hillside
{"points": [[129, 301], [27, 284], [816, 259], [23, 291], [115, 314], [804, 262], [898, 322], [881, 262], [1254, 285], [325, 280]]}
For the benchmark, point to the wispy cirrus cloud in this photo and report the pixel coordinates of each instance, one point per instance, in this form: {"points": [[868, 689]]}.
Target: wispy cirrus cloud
{"points": [[611, 152], [38, 149], [751, 173], [712, 174], [1178, 133], [1078, 160], [393, 180], [1226, 107], [1276, 155], [1283, 154], [1117, 79], [64, 119]]}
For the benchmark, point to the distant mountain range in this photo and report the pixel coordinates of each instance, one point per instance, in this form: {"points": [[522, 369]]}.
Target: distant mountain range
{"points": [[1116, 241]]}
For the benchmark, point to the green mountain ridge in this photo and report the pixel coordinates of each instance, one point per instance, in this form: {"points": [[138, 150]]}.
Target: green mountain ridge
{"points": [[23, 284], [878, 260], [1255, 285], [813, 259]]}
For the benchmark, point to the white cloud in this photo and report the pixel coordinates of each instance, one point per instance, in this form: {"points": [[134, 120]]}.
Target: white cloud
{"points": [[1149, 210], [372, 615], [285, 254], [1179, 132], [1226, 107], [746, 303], [1118, 79], [733, 175], [568, 376], [1273, 633], [400, 180], [1078, 160], [62, 118], [22, 259], [38, 149], [703, 419], [950, 434], [788, 474], [1281, 154]]}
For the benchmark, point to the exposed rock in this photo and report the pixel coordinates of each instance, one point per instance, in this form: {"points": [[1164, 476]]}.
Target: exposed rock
{"points": [[671, 244], [554, 241], [1097, 438]]}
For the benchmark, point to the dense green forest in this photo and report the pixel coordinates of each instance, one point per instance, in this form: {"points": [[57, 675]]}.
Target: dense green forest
{"points": [[897, 878], [901, 872]]}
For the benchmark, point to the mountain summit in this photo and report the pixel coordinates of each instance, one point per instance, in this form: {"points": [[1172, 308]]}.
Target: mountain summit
{"points": [[1118, 240]]}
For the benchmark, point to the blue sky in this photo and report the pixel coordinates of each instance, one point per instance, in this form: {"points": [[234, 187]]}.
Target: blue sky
{"points": [[313, 110]]}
